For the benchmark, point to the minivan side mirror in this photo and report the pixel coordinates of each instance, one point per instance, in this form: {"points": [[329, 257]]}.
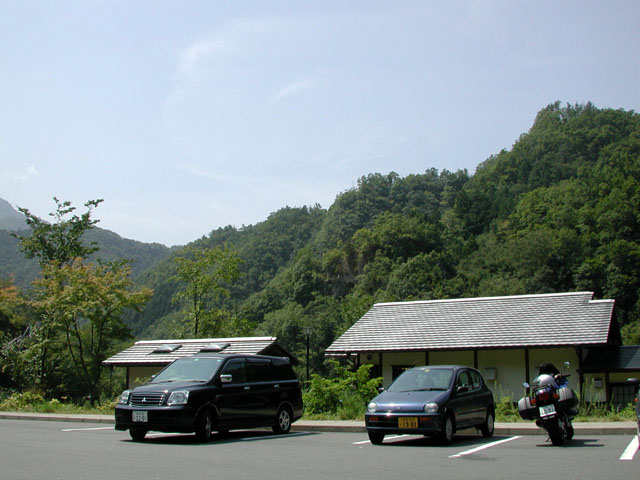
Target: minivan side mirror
{"points": [[226, 378]]}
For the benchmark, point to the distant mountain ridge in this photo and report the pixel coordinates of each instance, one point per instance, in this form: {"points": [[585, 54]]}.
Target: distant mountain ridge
{"points": [[14, 265], [10, 219]]}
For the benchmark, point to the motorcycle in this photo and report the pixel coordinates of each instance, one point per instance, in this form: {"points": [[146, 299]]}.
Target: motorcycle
{"points": [[551, 403]]}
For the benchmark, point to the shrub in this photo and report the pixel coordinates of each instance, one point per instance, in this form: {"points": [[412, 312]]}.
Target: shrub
{"points": [[22, 401], [344, 392]]}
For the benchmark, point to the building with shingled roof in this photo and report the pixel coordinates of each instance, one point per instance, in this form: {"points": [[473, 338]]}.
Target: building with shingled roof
{"points": [[146, 358], [505, 338]]}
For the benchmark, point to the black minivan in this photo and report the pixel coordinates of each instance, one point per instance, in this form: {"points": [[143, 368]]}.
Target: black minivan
{"points": [[213, 392]]}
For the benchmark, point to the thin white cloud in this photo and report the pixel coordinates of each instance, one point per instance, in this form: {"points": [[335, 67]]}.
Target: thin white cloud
{"points": [[193, 55], [298, 85], [30, 171]]}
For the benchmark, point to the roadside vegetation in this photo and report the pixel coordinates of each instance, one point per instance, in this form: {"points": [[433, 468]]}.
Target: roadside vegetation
{"points": [[342, 396]]}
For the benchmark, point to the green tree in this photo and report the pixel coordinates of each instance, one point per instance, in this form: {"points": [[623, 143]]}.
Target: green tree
{"points": [[85, 303], [60, 242], [204, 274]]}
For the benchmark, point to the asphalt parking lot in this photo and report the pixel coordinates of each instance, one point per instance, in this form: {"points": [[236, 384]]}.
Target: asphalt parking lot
{"points": [[49, 450]]}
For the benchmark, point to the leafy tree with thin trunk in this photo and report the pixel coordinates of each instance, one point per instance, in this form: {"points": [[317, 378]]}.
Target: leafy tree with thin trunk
{"points": [[204, 274], [60, 242], [85, 302]]}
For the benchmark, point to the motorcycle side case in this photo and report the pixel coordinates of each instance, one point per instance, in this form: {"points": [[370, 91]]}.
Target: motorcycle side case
{"points": [[526, 410], [568, 401]]}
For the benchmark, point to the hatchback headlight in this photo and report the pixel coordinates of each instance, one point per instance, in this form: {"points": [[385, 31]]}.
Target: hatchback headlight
{"points": [[179, 397], [431, 407], [372, 407]]}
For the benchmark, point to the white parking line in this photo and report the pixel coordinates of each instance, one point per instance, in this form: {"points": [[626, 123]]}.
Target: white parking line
{"points": [[86, 429], [386, 438], [483, 447], [631, 450]]}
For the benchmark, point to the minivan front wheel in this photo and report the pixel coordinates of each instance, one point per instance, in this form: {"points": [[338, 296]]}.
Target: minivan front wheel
{"points": [[203, 426], [283, 421]]}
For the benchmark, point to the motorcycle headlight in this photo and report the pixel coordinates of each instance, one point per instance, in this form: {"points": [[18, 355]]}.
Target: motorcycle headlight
{"points": [[124, 397], [372, 407], [431, 407], [179, 397]]}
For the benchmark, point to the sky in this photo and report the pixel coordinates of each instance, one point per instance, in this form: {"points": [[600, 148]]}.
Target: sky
{"points": [[186, 116]]}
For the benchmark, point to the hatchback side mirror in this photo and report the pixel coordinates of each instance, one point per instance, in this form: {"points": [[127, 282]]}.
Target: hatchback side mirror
{"points": [[462, 389]]}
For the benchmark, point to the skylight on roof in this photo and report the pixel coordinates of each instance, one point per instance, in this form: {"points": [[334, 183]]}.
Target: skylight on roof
{"points": [[169, 348], [215, 347]]}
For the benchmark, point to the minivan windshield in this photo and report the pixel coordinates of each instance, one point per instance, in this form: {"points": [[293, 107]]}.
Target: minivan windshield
{"points": [[422, 379], [190, 369]]}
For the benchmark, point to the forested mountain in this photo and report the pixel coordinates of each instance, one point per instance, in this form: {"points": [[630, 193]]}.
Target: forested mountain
{"points": [[557, 212], [23, 271]]}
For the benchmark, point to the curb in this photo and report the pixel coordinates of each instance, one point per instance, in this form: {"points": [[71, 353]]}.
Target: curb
{"points": [[355, 426]]}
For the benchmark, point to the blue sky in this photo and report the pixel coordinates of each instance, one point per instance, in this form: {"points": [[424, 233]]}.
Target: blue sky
{"points": [[186, 116]]}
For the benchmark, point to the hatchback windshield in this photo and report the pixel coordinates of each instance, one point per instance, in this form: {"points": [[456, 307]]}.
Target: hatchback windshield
{"points": [[420, 379], [189, 369]]}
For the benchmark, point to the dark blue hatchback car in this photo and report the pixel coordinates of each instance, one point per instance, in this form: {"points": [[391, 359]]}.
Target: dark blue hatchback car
{"points": [[432, 400]]}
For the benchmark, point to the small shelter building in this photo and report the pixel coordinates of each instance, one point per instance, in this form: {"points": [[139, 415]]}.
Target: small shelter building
{"points": [[146, 358]]}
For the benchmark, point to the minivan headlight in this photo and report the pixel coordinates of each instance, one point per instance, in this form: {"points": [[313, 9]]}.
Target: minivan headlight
{"points": [[124, 397], [179, 397], [372, 407], [431, 407]]}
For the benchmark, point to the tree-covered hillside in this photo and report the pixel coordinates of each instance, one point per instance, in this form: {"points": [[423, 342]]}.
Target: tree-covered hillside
{"points": [[557, 212]]}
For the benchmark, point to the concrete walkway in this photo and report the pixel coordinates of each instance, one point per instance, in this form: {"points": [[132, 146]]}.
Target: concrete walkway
{"points": [[516, 428]]}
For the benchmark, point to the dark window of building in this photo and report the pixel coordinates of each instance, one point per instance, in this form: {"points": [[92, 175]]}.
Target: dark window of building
{"points": [[622, 394]]}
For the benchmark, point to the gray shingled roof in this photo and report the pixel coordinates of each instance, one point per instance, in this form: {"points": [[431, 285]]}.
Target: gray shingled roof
{"points": [[141, 353], [477, 323]]}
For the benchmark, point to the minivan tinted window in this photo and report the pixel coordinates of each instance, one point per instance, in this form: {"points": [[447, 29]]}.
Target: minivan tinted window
{"points": [[258, 370], [235, 368]]}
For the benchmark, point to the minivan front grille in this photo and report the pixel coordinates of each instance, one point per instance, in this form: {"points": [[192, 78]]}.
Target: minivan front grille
{"points": [[147, 399]]}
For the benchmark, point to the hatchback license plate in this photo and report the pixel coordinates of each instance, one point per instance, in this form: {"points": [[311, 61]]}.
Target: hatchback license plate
{"points": [[547, 410], [140, 416], [408, 422]]}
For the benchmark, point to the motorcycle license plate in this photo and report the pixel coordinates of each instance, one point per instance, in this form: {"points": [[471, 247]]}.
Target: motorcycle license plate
{"points": [[547, 410], [408, 422], [140, 416]]}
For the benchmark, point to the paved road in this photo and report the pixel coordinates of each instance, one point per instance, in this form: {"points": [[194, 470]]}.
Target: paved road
{"points": [[37, 450]]}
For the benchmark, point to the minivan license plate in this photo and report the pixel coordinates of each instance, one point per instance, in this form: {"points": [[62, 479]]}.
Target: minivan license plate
{"points": [[547, 410], [140, 416], [408, 422]]}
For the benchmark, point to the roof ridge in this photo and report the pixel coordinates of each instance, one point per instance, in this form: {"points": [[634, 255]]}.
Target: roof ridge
{"points": [[203, 340], [478, 299]]}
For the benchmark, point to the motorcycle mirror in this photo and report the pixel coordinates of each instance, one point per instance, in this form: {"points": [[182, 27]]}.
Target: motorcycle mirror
{"points": [[525, 385], [567, 364]]}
